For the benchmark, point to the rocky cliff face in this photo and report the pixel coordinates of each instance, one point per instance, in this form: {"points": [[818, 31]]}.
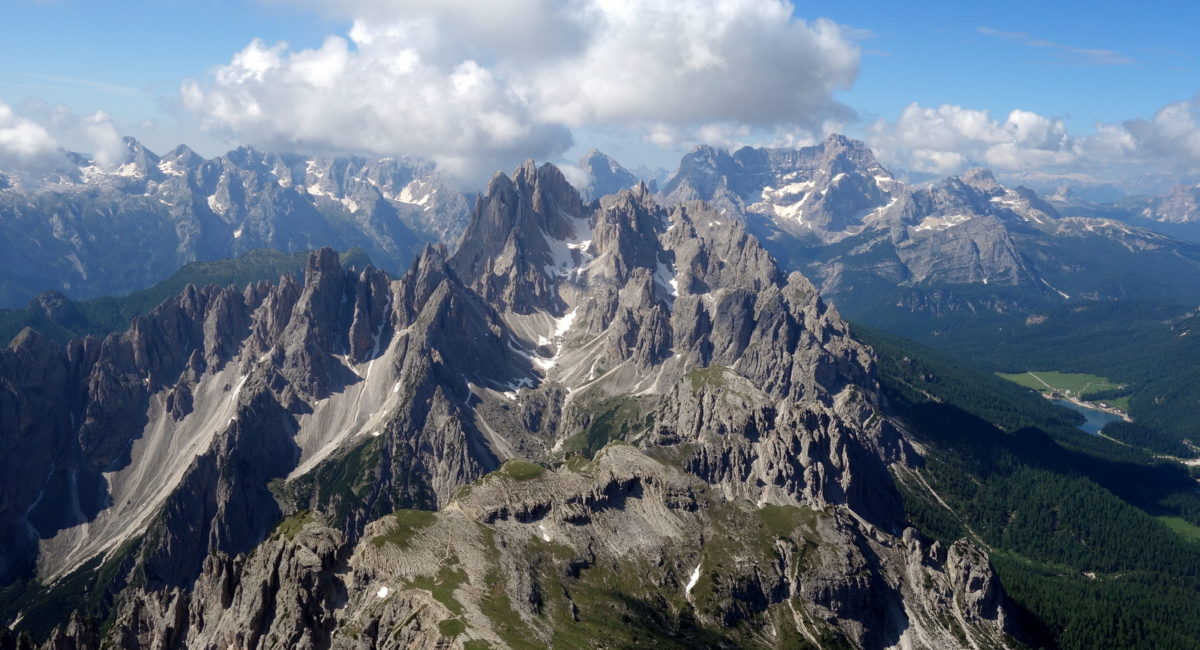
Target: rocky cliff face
{"points": [[589, 422]]}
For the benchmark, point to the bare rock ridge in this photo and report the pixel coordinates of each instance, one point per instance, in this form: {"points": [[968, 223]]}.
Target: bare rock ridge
{"points": [[587, 412]]}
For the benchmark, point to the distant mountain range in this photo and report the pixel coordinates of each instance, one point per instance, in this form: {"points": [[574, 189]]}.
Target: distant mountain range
{"points": [[831, 210], [88, 231], [961, 244]]}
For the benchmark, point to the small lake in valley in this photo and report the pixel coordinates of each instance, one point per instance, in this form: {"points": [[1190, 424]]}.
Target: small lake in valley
{"points": [[1096, 419]]}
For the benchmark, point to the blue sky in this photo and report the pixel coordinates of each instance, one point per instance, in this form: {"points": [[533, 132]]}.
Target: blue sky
{"points": [[128, 57], [936, 54], [1080, 63]]}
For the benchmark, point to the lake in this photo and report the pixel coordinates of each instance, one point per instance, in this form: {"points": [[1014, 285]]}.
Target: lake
{"points": [[1096, 419]]}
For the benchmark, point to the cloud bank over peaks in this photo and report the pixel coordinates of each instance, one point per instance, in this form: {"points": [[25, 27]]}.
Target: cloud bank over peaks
{"points": [[479, 86], [950, 139], [23, 142], [31, 137]]}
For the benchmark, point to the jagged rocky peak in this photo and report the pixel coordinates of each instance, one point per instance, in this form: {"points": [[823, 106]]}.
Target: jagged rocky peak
{"points": [[605, 175], [828, 190], [428, 272], [192, 209], [518, 240], [702, 175], [137, 160], [626, 232], [981, 179], [180, 161], [955, 200], [338, 312], [552, 198], [223, 373]]}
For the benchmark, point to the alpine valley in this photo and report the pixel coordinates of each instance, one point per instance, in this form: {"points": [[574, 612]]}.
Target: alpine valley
{"points": [[594, 417]]}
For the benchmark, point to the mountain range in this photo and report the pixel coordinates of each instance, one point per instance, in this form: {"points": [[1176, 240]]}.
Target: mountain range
{"points": [[830, 210], [964, 243], [90, 231], [554, 417], [350, 459]]}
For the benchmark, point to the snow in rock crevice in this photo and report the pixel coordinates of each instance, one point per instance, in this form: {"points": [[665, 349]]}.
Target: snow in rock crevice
{"points": [[666, 276], [562, 325], [691, 583]]}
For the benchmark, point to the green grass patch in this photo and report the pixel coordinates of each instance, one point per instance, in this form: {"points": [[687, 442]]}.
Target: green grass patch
{"points": [[578, 464], [1183, 528], [406, 524], [497, 606], [477, 644], [711, 377], [1120, 402], [620, 418], [451, 627], [520, 470], [1073, 384], [782, 521], [443, 586], [292, 524]]}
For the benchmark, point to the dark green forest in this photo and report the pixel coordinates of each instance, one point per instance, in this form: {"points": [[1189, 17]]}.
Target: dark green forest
{"points": [[1076, 524]]}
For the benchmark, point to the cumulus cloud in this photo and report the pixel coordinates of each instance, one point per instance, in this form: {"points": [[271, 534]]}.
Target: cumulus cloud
{"points": [[949, 139], [107, 147], [1172, 134], [57, 128], [23, 142], [477, 85]]}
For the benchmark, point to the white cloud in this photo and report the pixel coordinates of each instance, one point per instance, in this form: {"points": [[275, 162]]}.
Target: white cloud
{"points": [[576, 175], [56, 128], [106, 144], [948, 139], [23, 142], [475, 86], [1172, 134]]}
